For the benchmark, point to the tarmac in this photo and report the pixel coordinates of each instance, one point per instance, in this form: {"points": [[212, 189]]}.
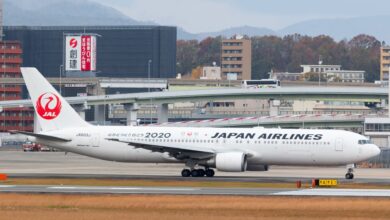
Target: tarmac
{"points": [[61, 165], [193, 191]]}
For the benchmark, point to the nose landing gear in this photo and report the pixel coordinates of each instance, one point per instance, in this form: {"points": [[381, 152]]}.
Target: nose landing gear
{"points": [[349, 175]]}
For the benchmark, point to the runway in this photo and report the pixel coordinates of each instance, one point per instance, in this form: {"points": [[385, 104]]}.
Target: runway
{"points": [[60, 165], [71, 166], [193, 191]]}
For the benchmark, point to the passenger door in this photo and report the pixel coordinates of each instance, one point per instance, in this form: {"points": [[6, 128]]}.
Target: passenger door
{"points": [[339, 144]]}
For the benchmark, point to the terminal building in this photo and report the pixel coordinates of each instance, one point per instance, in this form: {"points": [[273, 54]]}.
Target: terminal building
{"points": [[329, 73], [122, 51]]}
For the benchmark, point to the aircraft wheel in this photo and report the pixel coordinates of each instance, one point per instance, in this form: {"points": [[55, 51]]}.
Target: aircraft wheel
{"points": [[201, 172], [209, 172], [349, 176], [194, 173], [185, 173]]}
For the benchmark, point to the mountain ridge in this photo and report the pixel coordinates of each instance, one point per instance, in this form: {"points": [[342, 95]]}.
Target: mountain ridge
{"points": [[71, 12]]}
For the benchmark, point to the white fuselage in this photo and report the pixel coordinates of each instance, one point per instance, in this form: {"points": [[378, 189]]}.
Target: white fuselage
{"points": [[265, 146]]}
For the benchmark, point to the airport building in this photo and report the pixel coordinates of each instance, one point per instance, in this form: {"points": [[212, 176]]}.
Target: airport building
{"points": [[13, 118], [378, 129], [332, 73], [320, 68], [348, 76], [122, 51], [236, 58], [384, 63]]}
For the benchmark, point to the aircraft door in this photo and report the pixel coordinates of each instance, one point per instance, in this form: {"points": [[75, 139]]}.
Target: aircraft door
{"points": [[339, 144], [95, 140]]}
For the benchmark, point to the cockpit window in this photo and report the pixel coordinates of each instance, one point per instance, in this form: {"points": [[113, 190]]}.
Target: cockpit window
{"points": [[364, 141]]}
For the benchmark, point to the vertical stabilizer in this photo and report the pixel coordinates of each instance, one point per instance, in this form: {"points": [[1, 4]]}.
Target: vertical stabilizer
{"points": [[52, 110]]}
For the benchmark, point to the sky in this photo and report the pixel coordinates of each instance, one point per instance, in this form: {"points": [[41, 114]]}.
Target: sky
{"points": [[213, 15]]}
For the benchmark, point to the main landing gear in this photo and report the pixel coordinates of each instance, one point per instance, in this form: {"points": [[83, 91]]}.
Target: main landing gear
{"points": [[197, 172], [349, 175]]}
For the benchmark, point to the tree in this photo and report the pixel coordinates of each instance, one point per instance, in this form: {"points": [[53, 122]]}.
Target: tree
{"points": [[267, 53], [196, 72], [313, 77], [364, 51], [288, 53], [186, 56], [210, 51]]}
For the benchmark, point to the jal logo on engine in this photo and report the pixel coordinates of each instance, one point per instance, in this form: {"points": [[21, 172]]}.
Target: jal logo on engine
{"points": [[48, 106]]}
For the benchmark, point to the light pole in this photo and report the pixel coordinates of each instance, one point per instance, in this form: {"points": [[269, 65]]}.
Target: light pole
{"points": [[150, 107], [21, 115], [229, 74], [4, 94], [319, 72], [149, 63], [61, 67], [388, 99]]}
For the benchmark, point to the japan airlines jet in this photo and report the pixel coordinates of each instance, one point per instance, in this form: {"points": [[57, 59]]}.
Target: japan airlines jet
{"points": [[200, 149]]}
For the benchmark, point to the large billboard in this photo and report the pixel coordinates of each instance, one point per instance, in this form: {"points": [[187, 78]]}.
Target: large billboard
{"points": [[80, 53]]}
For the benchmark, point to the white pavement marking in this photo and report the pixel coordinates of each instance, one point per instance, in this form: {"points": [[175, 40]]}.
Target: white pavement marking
{"points": [[61, 187], [119, 188], [337, 192], [169, 189], [6, 186]]}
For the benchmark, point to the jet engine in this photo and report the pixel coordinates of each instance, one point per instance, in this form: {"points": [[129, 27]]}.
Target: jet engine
{"points": [[257, 167], [229, 162]]}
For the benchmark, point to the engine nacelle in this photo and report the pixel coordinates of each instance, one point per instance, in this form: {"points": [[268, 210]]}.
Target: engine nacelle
{"points": [[231, 161], [257, 167]]}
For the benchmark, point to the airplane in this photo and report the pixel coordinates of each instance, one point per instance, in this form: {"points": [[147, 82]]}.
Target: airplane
{"points": [[199, 149]]}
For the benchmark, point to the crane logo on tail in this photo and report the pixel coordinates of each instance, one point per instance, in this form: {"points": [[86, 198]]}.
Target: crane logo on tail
{"points": [[48, 106]]}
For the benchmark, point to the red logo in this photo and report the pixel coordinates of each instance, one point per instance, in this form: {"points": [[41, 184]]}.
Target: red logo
{"points": [[48, 106], [73, 43]]}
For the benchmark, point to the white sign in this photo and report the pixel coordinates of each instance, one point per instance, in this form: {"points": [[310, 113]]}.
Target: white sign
{"points": [[231, 76], [80, 53]]}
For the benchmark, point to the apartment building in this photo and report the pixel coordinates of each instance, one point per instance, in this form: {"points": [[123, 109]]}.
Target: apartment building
{"points": [[384, 63], [12, 118], [236, 58]]}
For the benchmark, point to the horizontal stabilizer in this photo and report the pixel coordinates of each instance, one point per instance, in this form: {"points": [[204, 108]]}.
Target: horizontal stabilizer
{"points": [[41, 136]]}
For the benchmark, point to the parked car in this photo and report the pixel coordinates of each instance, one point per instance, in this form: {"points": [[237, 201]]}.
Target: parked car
{"points": [[30, 146]]}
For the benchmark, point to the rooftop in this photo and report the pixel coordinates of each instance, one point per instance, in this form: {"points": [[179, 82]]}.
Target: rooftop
{"points": [[316, 65]]}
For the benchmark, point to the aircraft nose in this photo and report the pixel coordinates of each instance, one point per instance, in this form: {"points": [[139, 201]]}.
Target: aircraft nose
{"points": [[375, 150]]}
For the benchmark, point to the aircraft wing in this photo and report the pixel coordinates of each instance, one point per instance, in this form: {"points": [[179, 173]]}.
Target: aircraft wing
{"points": [[179, 153]]}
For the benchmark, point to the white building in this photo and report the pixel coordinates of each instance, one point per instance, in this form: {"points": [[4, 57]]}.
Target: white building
{"points": [[211, 72], [353, 76], [333, 73], [286, 76], [320, 68]]}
